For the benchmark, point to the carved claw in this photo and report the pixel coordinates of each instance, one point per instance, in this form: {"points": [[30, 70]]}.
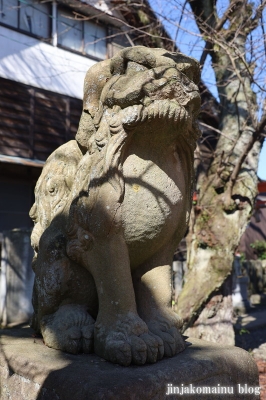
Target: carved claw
{"points": [[127, 342], [166, 327], [69, 329]]}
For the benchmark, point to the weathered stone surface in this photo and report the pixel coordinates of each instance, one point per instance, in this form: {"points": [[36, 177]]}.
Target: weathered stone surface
{"points": [[31, 371], [112, 206]]}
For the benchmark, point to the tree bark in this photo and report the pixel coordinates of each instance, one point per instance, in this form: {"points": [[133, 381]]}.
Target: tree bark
{"points": [[216, 318], [228, 187]]}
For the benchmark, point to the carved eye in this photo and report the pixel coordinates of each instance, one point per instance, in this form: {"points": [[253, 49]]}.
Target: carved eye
{"points": [[51, 190]]}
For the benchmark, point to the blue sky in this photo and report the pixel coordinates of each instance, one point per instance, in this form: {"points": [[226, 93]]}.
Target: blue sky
{"points": [[262, 163], [184, 31]]}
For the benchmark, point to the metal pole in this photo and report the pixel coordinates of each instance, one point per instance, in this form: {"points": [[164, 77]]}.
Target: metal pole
{"points": [[54, 23]]}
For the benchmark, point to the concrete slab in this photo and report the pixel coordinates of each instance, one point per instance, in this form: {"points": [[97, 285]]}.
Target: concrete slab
{"points": [[31, 371]]}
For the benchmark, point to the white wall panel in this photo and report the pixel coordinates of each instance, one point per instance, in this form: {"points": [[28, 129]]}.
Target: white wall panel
{"points": [[28, 60]]}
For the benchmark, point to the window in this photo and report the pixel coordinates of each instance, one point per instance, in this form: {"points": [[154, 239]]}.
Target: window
{"points": [[119, 40], [34, 18], [94, 40], [84, 36], [27, 15], [69, 31], [9, 12]]}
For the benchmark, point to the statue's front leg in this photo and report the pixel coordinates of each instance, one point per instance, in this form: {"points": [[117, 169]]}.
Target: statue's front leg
{"points": [[120, 335], [152, 283]]}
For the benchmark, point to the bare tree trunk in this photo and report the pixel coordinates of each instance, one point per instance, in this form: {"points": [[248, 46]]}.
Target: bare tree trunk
{"points": [[228, 187], [216, 317]]}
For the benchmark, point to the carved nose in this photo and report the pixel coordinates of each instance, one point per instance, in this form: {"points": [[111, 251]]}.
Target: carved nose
{"points": [[33, 212]]}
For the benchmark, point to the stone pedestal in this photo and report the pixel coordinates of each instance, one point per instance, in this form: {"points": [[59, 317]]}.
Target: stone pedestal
{"points": [[31, 371]]}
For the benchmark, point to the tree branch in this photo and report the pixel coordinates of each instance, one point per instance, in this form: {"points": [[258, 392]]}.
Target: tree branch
{"points": [[238, 165], [261, 126], [215, 130]]}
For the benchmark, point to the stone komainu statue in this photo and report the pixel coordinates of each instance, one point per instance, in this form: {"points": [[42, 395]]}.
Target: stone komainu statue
{"points": [[111, 207]]}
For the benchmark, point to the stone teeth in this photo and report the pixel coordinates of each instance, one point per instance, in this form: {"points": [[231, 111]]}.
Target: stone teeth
{"points": [[177, 114], [162, 111], [132, 114], [152, 111], [171, 110], [156, 108], [144, 115], [139, 113]]}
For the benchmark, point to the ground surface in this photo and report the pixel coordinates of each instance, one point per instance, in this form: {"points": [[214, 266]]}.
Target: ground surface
{"points": [[250, 330]]}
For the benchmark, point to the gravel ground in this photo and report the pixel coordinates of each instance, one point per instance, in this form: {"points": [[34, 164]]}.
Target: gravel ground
{"points": [[251, 336], [252, 339], [255, 342]]}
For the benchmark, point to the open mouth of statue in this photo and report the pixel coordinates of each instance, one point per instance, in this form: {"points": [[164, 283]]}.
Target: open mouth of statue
{"points": [[157, 110], [161, 92], [154, 111], [162, 97]]}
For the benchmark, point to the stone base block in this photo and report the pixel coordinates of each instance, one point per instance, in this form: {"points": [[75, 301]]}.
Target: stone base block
{"points": [[31, 371]]}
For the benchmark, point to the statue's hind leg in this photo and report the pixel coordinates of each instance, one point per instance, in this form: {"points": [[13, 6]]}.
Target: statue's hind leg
{"points": [[69, 329], [152, 284], [65, 297]]}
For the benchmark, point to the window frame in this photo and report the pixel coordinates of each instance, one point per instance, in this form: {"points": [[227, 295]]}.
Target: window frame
{"points": [[68, 12], [33, 35], [83, 53], [54, 15], [49, 20]]}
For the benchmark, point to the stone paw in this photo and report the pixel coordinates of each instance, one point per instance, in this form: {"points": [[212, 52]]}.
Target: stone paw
{"points": [[127, 341], [69, 329], [167, 328]]}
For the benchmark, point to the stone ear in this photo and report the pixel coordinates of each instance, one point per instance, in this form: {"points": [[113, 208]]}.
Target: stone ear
{"points": [[138, 54], [189, 66], [85, 131], [95, 80]]}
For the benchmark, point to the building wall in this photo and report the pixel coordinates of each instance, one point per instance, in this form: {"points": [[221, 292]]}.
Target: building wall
{"points": [[43, 62], [256, 230], [28, 60], [34, 122]]}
